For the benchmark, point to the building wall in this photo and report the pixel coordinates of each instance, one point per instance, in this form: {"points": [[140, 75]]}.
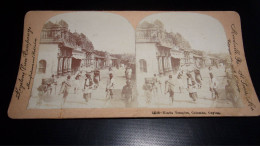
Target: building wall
{"points": [[49, 53], [147, 51]]}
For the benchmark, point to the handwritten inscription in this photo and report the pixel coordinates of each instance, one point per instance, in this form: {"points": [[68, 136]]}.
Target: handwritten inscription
{"points": [[28, 53], [32, 65], [246, 93], [238, 75], [235, 44]]}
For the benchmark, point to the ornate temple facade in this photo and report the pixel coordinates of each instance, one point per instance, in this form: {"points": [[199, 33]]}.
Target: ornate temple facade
{"points": [[162, 52], [155, 49], [62, 52]]}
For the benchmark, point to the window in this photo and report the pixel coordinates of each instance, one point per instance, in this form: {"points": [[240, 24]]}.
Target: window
{"points": [[42, 66], [143, 65]]}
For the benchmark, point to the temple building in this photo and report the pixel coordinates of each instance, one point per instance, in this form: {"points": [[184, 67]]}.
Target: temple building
{"points": [[162, 52], [153, 48], [61, 52]]}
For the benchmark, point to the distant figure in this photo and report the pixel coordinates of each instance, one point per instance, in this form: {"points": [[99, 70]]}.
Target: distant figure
{"points": [[110, 71], [190, 79], [210, 70], [213, 87], [96, 78], [128, 73], [193, 91], [160, 82], [229, 90], [42, 89], [87, 90], [170, 87], [155, 85], [179, 80], [198, 77], [127, 91], [65, 86], [54, 83], [148, 88], [51, 85], [110, 86], [77, 82]]}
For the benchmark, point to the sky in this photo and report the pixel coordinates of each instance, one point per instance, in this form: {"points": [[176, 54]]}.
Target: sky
{"points": [[107, 31], [202, 31], [113, 33]]}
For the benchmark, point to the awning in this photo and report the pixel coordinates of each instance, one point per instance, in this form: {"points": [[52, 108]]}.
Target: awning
{"points": [[198, 56], [77, 56], [177, 55]]}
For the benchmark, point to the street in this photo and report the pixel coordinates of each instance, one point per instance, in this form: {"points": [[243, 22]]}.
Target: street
{"points": [[98, 99], [182, 100], [158, 100]]}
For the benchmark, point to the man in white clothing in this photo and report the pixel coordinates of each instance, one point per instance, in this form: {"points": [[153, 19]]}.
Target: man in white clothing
{"points": [[213, 86], [110, 86]]}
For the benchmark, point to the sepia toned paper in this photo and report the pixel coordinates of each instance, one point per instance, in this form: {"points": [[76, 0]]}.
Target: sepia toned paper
{"points": [[101, 64]]}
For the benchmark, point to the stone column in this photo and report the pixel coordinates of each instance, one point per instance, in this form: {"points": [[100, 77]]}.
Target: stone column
{"points": [[69, 63], [165, 63], [160, 64], [170, 63], [60, 65]]}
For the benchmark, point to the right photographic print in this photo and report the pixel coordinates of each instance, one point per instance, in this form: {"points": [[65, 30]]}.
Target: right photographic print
{"points": [[183, 60]]}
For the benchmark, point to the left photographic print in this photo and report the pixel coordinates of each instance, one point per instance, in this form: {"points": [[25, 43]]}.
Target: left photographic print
{"points": [[85, 60]]}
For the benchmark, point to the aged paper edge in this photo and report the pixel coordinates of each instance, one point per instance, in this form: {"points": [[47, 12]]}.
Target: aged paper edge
{"points": [[229, 20]]}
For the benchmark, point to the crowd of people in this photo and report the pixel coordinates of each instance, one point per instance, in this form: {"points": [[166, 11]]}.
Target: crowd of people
{"points": [[85, 82], [154, 86]]}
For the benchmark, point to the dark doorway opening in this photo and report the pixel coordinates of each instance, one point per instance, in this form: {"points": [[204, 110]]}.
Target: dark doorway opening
{"points": [[75, 65], [175, 64]]}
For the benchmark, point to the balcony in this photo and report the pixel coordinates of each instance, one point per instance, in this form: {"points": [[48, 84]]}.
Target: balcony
{"points": [[50, 40], [147, 39]]}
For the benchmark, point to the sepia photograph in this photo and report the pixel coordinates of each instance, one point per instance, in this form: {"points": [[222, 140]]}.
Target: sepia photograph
{"points": [[97, 60], [85, 60], [183, 60]]}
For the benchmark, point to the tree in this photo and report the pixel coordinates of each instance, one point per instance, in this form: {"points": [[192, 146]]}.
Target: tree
{"points": [[179, 41]]}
